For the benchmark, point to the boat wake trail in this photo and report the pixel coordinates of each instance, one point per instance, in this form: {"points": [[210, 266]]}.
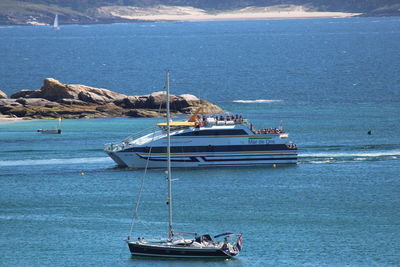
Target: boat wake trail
{"points": [[257, 101], [69, 161], [342, 156]]}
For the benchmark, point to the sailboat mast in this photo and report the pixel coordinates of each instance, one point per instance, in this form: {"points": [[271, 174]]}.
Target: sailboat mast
{"points": [[169, 198]]}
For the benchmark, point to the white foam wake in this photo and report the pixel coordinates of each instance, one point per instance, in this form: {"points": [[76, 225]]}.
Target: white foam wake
{"points": [[27, 162], [257, 101], [350, 154]]}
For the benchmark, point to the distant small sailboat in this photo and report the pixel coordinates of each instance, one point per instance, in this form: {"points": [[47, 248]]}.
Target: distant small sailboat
{"points": [[55, 24], [57, 130]]}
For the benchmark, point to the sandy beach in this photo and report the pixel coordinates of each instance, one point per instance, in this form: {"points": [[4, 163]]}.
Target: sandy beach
{"points": [[179, 13], [243, 16], [5, 118]]}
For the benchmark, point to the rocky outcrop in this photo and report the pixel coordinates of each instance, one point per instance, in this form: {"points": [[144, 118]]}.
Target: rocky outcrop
{"points": [[2, 95], [8, 104], [54, 90], [37, 102], [185, 103], [55, 99], [22, 93], [143, 113]]}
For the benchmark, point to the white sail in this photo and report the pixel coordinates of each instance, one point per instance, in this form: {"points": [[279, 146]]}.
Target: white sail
{"points": [[55, 24]]}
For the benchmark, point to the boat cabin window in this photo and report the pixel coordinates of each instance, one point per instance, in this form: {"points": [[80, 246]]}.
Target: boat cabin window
{"points": [[214, 132]]}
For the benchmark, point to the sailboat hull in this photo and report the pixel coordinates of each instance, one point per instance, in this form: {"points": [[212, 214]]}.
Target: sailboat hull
{"points": [[50, 131], [138, 249]]}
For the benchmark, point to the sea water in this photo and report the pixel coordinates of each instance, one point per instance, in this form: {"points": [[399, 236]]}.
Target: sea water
{"points": [[63, 202]]}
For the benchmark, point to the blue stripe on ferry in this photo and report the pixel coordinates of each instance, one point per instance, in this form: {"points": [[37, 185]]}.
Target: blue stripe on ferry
{"points": [[194, 159], [194, 149], [209, 160]]}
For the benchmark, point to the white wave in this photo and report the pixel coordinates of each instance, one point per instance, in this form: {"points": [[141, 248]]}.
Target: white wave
{"points": [[320, 161], [257, 101], [351, 154], [27, 162]]}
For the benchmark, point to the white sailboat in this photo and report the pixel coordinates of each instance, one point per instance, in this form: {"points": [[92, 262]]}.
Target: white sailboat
{"points": [[175, 245], [55, 24]]}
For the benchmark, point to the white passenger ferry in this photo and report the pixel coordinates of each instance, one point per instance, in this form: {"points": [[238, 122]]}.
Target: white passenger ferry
{"points": [[202, 141]]}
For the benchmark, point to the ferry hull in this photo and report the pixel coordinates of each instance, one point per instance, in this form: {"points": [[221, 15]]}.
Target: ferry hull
{"points": [[140, 160]]}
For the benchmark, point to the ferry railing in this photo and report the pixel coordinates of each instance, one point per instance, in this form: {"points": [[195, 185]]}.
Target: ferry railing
{"points": [[130, 140]]}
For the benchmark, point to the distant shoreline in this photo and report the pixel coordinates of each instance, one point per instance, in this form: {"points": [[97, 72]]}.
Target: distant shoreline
{"points": [[206, 17], [110, 12], [163, 13], [241, 16]]}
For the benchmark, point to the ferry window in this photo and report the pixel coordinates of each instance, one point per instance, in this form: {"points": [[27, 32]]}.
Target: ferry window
{"points": [[214, 132]]}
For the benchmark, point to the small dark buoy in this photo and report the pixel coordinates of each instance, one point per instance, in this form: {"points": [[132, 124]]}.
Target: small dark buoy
{"points": [[369, 132]]}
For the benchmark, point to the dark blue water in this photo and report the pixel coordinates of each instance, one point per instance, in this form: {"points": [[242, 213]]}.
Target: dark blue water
{"points": [[64, 203]]}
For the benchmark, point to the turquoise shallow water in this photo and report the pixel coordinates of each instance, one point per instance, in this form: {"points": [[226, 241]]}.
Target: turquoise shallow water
{"points": [[334, 79]]}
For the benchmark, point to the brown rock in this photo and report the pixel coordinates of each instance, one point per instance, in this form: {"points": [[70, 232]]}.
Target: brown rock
{"points": [[16, 111], [8, 104], [56, 99], [70, 102], [207, 107], [99, 96], [37, 102], [3, 95], [184, 101], [133, 102], [142, 113], [189, 98], [23, 93], [94, 95], [142, 101], [108, 95], [157, 99], [54, 90], [127, 102]]}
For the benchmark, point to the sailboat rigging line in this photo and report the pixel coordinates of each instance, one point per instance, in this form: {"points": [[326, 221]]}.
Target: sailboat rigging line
{"points": [[135, 213], [170, 229]]}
